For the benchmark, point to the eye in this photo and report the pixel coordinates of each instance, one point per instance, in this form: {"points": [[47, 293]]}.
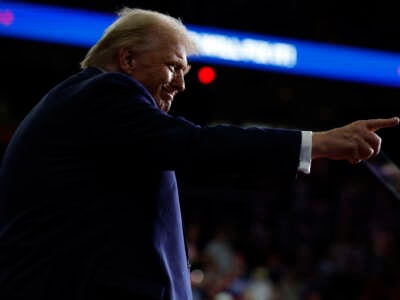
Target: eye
{"points": [[178, 68], [172, 67]]}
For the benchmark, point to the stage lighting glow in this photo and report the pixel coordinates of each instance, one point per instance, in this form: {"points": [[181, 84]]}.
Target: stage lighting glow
{"points": [[53, 24], [224, 47], [231, 47]]}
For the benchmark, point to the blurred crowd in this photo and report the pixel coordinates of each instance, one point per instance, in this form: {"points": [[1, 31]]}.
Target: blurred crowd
{"points": [[332, 235]]}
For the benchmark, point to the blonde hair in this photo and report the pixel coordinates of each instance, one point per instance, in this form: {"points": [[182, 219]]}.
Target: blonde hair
{"points": [[138, 29]]}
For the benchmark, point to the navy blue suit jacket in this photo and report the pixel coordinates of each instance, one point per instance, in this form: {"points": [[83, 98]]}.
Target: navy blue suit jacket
{"points": [[89, 201]]}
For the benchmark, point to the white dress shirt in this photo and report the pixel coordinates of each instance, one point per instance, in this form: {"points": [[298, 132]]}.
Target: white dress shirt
{"points": [[305, 152]]}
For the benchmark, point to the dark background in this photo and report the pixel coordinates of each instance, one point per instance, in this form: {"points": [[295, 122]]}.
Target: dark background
{"points": [[338, 204]]}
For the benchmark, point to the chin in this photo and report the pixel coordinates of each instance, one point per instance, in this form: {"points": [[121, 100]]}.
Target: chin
{"points": [[166, 108], [164, 105]]}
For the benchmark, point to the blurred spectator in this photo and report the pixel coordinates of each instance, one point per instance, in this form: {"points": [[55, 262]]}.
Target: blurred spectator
{"points": [[260, 287], [219, 249]]}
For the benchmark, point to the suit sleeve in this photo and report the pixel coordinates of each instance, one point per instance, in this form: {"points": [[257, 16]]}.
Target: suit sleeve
{"points": [[125, 127]]}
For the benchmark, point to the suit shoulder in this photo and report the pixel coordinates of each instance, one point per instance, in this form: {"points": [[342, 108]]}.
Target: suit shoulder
{"points": [[115, 79], [92, 80], [103, 85]]}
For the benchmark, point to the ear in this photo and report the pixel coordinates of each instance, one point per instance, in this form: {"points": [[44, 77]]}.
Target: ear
{"points": [[126, 60]]}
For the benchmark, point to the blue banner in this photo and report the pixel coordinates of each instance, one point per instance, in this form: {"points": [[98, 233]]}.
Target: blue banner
{"points": [[83, 28]]}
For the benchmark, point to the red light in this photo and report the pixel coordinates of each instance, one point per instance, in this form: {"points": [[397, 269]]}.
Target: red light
{"points": [[206, 75]]}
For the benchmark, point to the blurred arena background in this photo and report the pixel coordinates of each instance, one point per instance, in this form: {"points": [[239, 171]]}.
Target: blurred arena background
{"points": [[335, 233]]}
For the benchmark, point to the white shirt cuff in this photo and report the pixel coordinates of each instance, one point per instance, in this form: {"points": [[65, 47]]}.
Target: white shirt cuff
{"points": [[305, 152]]}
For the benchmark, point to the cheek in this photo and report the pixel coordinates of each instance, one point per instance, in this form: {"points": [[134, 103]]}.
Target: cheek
{"points": [[156, 81], [169, 76], [165, 75], [163, 80]]}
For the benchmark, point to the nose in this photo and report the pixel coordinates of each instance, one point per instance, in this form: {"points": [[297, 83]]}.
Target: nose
{"points": [[179, 81]]}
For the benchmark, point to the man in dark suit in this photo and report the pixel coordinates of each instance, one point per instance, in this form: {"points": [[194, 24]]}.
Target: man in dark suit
{"points": [[89, 202]]}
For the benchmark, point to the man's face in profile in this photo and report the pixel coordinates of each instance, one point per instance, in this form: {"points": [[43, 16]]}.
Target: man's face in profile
{"points": [[162, 72]]}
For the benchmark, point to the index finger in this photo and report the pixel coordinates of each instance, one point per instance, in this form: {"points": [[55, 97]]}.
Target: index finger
{"points": [[375, 124]]}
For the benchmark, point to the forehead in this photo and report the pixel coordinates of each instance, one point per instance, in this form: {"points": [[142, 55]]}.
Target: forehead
{"points": [[169, 50]]}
